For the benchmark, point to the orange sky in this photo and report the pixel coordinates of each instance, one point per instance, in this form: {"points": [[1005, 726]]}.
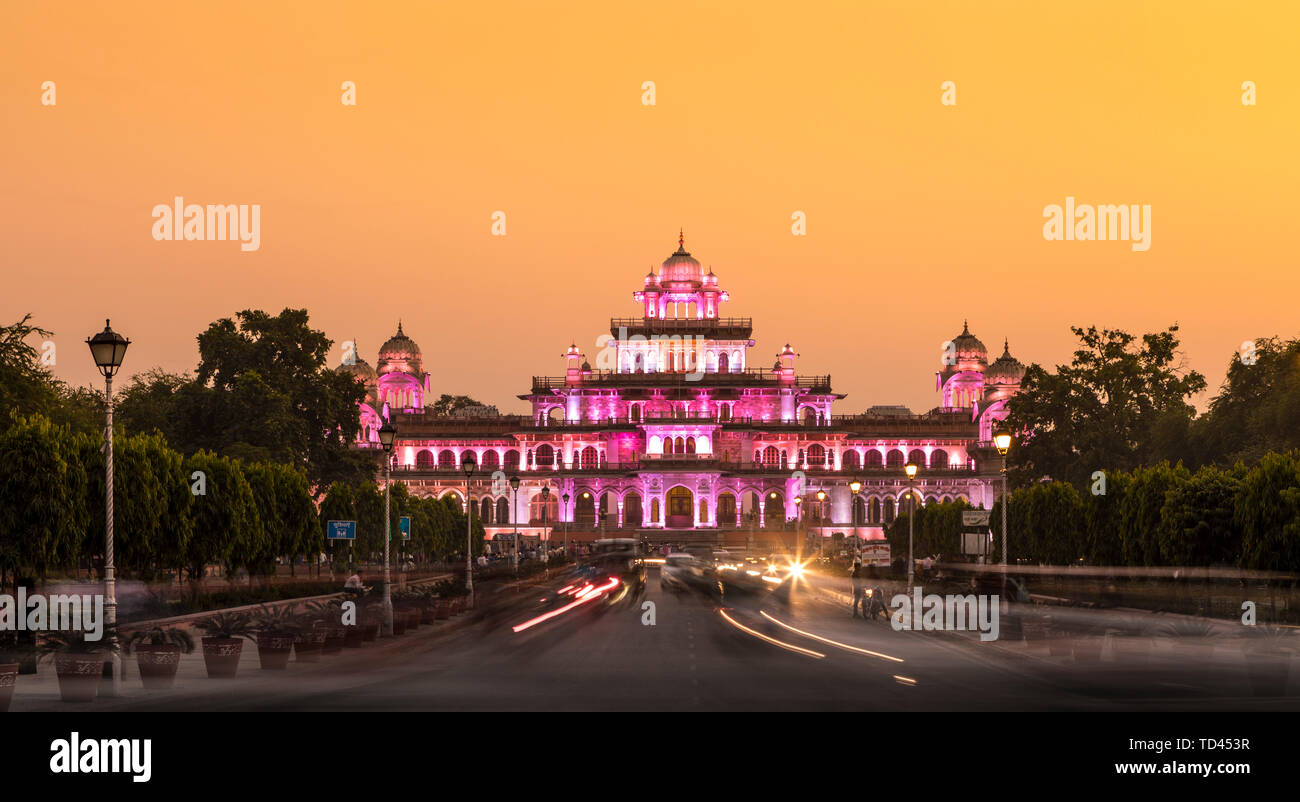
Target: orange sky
{"points": [[919, 214]]}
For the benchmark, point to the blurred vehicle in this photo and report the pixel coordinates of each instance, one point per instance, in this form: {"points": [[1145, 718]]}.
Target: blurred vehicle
{"points": [[681, 571]]}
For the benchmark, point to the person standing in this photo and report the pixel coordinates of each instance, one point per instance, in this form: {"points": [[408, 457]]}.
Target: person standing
{"points": [[859, 587]]}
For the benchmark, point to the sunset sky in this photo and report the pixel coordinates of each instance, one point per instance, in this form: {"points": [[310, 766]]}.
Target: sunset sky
{"points": [[918, 214]]}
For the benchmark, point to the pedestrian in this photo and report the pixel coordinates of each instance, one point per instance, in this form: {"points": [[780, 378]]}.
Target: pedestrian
{"points": [[353, 584], [859, 586]]}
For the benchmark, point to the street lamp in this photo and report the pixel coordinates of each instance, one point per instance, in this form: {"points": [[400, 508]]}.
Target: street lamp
{"points": [[546, 493], [468, 467], [821, 522], [514, 516], [1002, 440], [387, 437], [911, 520], [855, 487], [108, 348]]}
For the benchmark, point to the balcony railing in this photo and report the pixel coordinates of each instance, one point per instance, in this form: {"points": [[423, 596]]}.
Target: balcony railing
{"points": [[747, 377], [734, 328]]}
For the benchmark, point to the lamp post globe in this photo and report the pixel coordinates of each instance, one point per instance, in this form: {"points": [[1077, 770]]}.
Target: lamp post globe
{"points": [[910, 469], [387, 439], [514, 514], [467, 465], [1002, 441], [108, 349]]}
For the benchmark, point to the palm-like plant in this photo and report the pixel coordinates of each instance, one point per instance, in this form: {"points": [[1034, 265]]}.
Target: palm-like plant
{"points": [[226, 625], [75, 641], [160, 636], [276, 621]]}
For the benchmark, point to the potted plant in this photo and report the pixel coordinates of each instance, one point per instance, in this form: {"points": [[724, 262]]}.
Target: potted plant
{"points": [[78, 661], [1268, 651], [309, 641], [276, 630], [327, 616], [370, 618], [158, 654], [223, 642], [19, 648]]}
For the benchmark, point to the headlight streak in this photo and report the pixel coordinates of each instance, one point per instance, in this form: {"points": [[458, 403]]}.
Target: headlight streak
{"points": [[844, 646], [585, 595], [787, 646]]}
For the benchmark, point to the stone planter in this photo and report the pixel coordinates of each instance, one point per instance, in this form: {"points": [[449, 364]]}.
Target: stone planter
{"points": [[8, 679], [308, 645], [442, 609], [399, 623], [221, 656], [273, 650], [352, 637], [158, 664], [427, 614], [79, 675], [334, 637]]}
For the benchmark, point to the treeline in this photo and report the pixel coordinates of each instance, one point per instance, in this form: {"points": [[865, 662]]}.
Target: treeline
{"points": [[181, 514], [1246, 517]]}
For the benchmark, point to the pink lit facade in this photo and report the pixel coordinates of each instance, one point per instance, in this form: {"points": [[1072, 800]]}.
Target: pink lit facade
{"points": [[680, 434]]}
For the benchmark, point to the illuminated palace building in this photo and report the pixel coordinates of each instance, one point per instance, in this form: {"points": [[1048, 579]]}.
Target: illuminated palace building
{"points": [[677, 437]]}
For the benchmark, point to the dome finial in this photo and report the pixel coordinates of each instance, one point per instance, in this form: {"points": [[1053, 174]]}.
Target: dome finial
{"points": [[681, 239], [399, 327], [965, 327]]}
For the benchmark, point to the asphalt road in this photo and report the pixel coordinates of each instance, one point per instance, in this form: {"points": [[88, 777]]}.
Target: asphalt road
{"points": [[743, 653]]}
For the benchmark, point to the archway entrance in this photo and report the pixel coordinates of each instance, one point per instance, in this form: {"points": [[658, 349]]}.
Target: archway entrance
{"points": [[681, 508]]}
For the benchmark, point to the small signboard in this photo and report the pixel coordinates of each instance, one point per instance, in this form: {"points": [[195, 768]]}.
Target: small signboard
{"points": [[974, 543], [341, 530], [875, 552], [975, 518], [404, 524]]}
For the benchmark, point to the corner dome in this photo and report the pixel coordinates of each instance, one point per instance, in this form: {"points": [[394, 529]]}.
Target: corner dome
{"points": [[1006, 369], [968, 346], [400, 354]]}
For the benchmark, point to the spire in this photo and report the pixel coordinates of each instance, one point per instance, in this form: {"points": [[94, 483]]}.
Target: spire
{"points": [[965, 329], [681, 239], [399, 328]]}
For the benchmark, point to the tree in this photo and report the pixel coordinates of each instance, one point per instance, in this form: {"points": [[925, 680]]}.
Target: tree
{"points": [[1099, 412], [41, 510], [1257, 407], [225, 517], [1140, 511], [1196, 522], [1267, 512], [448, 403]]}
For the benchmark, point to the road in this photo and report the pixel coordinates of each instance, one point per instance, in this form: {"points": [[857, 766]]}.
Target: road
{"points": [[699, 655]]}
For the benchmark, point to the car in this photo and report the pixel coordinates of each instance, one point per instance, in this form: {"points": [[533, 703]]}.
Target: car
{"points": [[681, 571]]}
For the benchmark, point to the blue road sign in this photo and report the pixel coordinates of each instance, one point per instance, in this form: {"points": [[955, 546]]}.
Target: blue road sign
{"points": [[342, 530], [404, 524]]}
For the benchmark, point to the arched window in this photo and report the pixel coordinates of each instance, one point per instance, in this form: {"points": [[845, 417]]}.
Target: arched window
{"points": [[774, 511], [545, 456], [512, 460], [490, 460], [446, 459], [704, 511], [503, 511], [938, 459], [690, 445], [724, 411], [654, 511], [424, 459], [679, 446], [917, 457], [771, 456], [816, 456], [722, 362], [859, 511], [851, 461], [894, 459], [589, 458], [668, 445], [873, 459], [889, 510], [726, 509], [485, 509], [554, 415], [634, 412], [875, 510], [584, 510], [468, 457]]}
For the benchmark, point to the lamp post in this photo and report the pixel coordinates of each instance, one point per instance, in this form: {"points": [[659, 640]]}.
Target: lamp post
{"points": [[1002, 440], [855, 487], [108, 348], [798, 519], [546, 516], [911, 521], [821, 523], [468, 467], [514, 516], [387, 437]]}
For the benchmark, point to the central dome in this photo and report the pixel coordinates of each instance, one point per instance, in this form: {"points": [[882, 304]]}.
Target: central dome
{"points": [[681, 266], [400, 354], [968, 346]]}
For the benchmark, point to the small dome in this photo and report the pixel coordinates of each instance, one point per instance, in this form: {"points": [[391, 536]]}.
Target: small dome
{"points": [[360, 369], [1006, 369], [968, 346], [400, 354], [681, 266]]}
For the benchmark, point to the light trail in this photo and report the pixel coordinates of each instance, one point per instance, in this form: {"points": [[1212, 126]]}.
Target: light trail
{"points": [[845, 646], [787, 646], [595, 593]]}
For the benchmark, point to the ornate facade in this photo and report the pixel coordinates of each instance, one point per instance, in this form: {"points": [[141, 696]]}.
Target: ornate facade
{"points": [[677, 435]]}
